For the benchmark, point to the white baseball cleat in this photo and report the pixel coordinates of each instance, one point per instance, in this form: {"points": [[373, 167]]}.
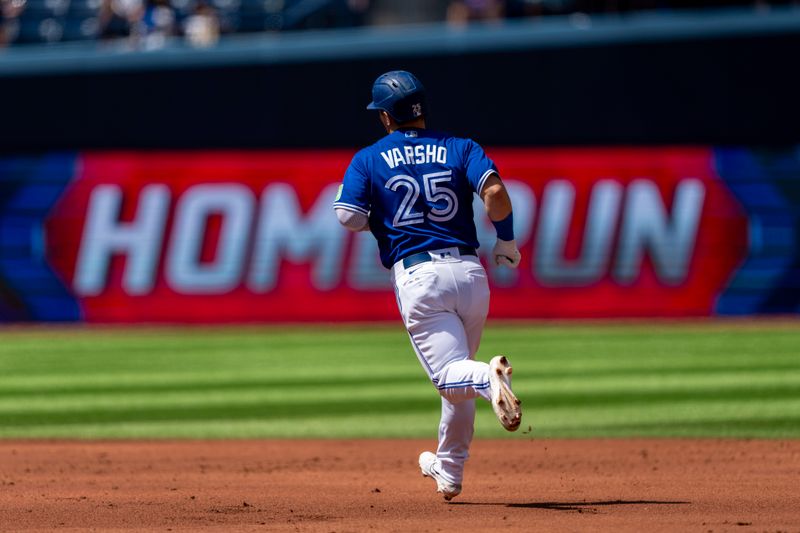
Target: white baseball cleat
{"points": [[504, 403], [431, 467]]}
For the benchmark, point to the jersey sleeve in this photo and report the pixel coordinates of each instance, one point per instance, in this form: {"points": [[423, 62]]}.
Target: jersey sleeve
{"points": [[478, 166], [354, 192]]}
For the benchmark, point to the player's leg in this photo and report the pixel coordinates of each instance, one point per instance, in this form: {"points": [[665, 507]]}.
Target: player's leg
{"points": [[427, 299], [440, 343], [455, 436], [444, 307], [473, 301], [456, 428], [427, 305], [464, 380], [473, 307]]}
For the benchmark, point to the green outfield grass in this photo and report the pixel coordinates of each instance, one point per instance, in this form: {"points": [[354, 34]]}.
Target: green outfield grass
{"points": [[716, 378]]}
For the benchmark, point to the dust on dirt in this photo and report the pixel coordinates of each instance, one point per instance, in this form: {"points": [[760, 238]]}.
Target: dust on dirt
{"points": [[519, 484]]}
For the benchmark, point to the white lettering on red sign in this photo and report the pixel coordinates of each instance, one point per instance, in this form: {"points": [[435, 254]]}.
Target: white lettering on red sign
{"points": [[283, 231], [646, 226], [184, 270], [257, 236], [551, 268], [104, 236]]}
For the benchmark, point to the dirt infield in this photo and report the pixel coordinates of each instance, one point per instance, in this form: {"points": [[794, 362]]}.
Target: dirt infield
{"points": [[515, 485]]}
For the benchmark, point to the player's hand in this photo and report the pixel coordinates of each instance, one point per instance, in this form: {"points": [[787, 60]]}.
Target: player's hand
{"points": [[506, 253]]}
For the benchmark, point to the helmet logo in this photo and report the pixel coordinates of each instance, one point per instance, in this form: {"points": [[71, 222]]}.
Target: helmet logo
{"points": [[416, 110]]}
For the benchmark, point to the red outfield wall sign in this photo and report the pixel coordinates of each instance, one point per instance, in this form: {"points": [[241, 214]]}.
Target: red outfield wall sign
{"points": [[251, 236]]}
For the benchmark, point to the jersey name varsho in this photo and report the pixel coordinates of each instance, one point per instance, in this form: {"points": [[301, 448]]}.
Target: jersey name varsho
{"points": [[415, 155]]}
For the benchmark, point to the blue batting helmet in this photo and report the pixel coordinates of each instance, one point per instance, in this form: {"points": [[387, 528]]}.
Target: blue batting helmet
{"points": [[400, 94]]}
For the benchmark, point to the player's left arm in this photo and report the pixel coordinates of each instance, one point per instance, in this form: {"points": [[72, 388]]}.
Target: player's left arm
{"points": [[482, 174], [495, 198], [498, 208]]}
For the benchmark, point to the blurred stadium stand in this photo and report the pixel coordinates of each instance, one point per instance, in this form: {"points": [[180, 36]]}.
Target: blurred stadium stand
{"points": [[150, 24], [50, 21], [713, 77]]}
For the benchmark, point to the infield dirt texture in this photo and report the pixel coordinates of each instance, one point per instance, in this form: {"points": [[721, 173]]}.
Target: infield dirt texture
{"points": [[665, 392]]}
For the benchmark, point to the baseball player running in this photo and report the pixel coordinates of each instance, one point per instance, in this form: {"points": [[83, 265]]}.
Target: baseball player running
{"points": [[413, 190]]}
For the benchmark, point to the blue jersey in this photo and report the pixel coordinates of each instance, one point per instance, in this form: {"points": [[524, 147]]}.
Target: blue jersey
{"points": [[417, 187]]}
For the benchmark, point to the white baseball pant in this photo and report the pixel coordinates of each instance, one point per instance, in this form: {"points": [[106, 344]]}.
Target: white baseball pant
{"points": [[444, 303]]}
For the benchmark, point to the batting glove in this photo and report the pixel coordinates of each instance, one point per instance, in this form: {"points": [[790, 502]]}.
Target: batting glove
{"points": [[506, 253]]}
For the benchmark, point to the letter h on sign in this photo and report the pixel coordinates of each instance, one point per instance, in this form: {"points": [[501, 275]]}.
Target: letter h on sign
{"points": [[104, 235]]}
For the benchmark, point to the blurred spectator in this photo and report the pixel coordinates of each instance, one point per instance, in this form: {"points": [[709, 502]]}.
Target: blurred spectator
{"points": [[462, 12], [337, 14], [115, 18], [2, 27], [149, 24], [10, 11], [157, 24], [357, 12], [201, 28], [390, 12]]}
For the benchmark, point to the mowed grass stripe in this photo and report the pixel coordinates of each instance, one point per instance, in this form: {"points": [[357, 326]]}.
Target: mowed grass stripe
{"points": [[587, 379], [695, 420], [538, 392], [182, 408], [764, 427], [546, 422], [155, 383], [575, 381], [699, 419], [398, 424]]}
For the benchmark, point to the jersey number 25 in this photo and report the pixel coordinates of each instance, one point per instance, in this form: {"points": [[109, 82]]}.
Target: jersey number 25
{"points": [[434, 194]]}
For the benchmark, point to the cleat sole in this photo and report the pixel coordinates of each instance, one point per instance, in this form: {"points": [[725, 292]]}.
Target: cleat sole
{"points": [[505, 404]]}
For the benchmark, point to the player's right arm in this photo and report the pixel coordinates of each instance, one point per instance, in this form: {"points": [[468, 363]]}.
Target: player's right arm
{"points": [[352, 204], [352, 220]]}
